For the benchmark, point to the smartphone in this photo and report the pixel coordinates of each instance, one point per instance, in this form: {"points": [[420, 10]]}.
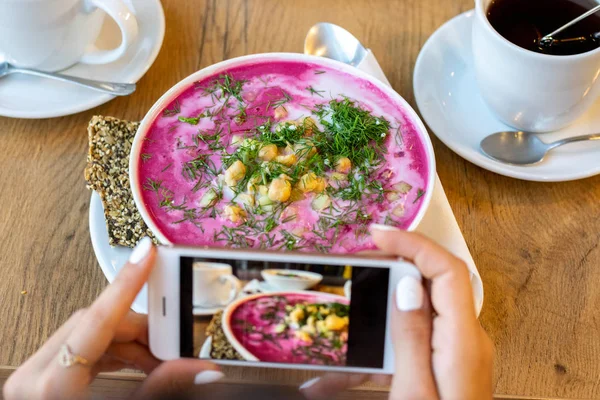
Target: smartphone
{"points": [[273, 309]]}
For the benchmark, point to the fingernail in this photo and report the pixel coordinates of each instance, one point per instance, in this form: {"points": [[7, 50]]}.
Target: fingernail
{"points": [[409, 294], [209, 376], [309, 383], [141, 250], [386, 228]]}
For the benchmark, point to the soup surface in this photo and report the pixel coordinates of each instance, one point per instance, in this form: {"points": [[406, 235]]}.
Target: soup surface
{"points": [[282, 155], [294, 328]]}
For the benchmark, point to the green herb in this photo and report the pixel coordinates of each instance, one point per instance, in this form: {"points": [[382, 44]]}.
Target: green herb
{"points": [[270, 224], [145, 156], [317, 72], [350, 131], [240, 118], [420, 194], [213, 141], [199, 166], [166, 168], [285, 133], [152, 185], [314, 91], [228, 86], [176, 109], [190, 120], [279, 103]]}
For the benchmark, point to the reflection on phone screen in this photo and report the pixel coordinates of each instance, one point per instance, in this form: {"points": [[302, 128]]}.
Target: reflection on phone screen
{"points": [[277, 312]]}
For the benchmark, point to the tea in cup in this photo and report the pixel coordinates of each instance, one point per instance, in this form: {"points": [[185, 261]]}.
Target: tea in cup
{"points": [[528, 87]]}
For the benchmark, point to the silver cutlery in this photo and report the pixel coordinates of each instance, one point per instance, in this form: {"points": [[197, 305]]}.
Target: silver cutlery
{"points": [[549, 38], [523, 148], [331, 41], [117, 89]]}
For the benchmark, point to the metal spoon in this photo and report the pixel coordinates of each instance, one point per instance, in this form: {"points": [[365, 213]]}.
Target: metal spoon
{"points": [[523, 148], [117, 89], [549, 38], [331, 41]]}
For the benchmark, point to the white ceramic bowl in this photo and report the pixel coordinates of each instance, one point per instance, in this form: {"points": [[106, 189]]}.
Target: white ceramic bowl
{"points": [[286, 279], [167, 98], [225, 319]]}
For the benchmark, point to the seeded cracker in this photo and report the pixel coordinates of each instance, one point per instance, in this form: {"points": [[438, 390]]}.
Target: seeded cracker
{"points": [[220, 349], [107, 172]]}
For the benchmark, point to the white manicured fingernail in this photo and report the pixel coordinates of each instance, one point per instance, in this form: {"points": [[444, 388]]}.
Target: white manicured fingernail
{"points": [[141, 250], [409, 294], [309, 383], [209, 376], [386, 228]]}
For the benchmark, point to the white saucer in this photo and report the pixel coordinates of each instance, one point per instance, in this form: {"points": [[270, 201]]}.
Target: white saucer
{"points": [[23, 96], [205, 349], [449, 101], [111, 259]]}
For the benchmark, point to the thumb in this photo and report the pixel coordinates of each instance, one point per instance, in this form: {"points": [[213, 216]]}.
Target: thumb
{"points": [[411, 336], [177, 377]]}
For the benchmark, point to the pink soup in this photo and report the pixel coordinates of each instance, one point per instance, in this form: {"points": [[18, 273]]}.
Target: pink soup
{"points": [[282, 155]]}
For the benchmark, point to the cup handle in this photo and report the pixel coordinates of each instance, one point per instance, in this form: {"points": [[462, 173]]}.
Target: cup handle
{"points": [[127, 22], [235, 285]]}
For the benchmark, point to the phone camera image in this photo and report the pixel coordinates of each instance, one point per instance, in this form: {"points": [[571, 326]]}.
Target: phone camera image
{"points": [[280, 312]]}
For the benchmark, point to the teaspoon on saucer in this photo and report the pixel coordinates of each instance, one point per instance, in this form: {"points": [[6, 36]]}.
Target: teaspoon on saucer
{"points": [[116, 89], [523, 148]]}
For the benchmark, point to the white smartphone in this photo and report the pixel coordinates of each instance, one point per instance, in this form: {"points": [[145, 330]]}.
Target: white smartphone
{"points": [[271, 309]]}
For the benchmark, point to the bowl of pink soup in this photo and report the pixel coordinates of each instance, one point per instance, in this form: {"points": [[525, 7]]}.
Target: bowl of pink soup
{"points": [[300, 327], [281, 152]]}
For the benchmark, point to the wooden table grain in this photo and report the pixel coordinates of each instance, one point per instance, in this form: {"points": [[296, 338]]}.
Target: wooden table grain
{"points": [[536, 244]]}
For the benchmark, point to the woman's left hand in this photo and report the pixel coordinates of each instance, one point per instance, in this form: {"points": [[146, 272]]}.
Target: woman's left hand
{"points": [[108, 337]]}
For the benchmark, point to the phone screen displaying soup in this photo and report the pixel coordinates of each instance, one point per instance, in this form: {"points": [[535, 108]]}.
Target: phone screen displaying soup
{"points": [[283, 312]]}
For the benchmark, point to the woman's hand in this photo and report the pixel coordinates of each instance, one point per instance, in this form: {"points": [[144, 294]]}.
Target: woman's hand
{"points": [[444, 356], [109, 337]]}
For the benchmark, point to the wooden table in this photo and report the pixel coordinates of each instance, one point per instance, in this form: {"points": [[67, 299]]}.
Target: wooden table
{"points": [[536, 244]]}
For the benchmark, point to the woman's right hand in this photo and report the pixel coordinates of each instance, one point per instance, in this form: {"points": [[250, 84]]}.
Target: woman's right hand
{"points": [[440, 355]]}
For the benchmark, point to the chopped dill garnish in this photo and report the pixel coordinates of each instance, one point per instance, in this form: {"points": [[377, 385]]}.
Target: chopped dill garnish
{"points": [[240, 118], [145, 156], [279, 103], [228, 86], [285, 133], [166, 168], [420, 194], [317, 72], [152, 185], [352, 132], [190, 120], [199, 166], [313, 91], [174, 110]]}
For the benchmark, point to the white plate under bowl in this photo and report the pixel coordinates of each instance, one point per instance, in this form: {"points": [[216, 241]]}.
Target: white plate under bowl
{"points": [[205, 349], [111, 259], [23, 96], [450, 103]]}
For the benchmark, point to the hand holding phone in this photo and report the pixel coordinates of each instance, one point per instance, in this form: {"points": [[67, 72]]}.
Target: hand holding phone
{"points": [[447, 355], [295, 310]]}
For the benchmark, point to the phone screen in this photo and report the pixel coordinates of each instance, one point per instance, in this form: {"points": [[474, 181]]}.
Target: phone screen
{"points": [[282, 312]]}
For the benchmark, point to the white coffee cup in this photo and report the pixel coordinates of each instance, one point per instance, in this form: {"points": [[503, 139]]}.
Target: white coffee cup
{"points": [[214, 284], [51, 35], [527, 90]]}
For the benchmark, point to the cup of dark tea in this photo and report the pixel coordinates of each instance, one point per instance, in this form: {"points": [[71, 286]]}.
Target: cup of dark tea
{"points": [[529, 85]]}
